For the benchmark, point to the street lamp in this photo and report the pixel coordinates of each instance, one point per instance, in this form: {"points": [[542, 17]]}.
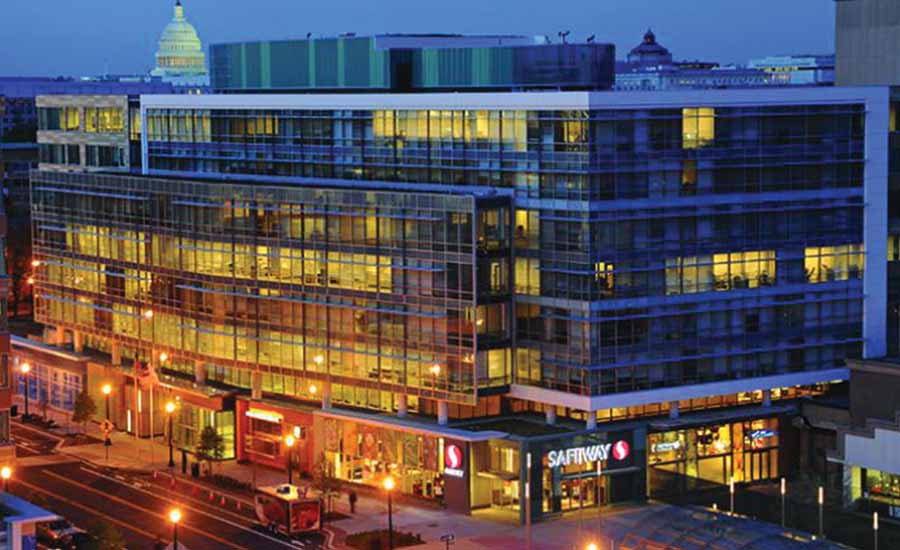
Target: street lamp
{"points": [[313, 389], [783, 496], [107, 389], [389, 485], [163, 357], [148, 314], [875, 528], [170, 408], [821, 512], [175, 517], [6, 473], [592, 546], [35, 263], [731, 493], [289, 443], [26, 368]]}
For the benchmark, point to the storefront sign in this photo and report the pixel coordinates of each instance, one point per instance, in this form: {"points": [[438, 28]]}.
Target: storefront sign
{"points": [[267, 416], [453, 461], [762, 434], [666, 446], [591, 453]]}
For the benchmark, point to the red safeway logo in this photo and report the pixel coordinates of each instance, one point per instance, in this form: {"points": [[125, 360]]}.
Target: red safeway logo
{"points": [[620, 450], [453, 457]]}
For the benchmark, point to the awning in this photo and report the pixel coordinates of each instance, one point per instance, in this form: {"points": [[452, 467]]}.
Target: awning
{"points": [[410, 425]]}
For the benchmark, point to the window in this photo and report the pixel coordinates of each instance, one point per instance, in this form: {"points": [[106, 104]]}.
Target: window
{"points": [[71, 119], [698, 127], [98, 155], [834, 263], [73, 155], [725, 271], [528, 276], [49, 118]]}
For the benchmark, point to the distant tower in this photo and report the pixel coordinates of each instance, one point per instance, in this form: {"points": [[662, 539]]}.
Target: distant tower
{"points": [[649, 52], [180, 58]]}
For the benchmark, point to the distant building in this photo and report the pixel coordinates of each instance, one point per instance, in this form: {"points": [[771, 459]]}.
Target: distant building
{"points": [[651, 66], [867, 40], [180, 58], [803, 70]]}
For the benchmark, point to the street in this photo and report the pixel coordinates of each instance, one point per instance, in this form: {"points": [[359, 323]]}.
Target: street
{"points": [[139, 508]]}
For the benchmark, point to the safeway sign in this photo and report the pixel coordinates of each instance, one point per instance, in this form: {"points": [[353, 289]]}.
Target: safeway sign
{"points": [[620, 450]]}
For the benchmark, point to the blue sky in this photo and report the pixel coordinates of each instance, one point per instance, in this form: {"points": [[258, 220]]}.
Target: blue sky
{"points": [[77, 37]]}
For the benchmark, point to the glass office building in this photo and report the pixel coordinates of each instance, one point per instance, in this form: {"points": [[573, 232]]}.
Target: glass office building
{"points": [[591, 256], [411, 63]]}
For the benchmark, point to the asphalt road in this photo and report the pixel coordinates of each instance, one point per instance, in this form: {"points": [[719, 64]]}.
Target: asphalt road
{"points": [[83, 493]]}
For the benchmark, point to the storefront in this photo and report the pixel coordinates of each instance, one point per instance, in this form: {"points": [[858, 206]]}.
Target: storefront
{"points": [[709, 455], [195, 409], [584, 471], [263, 428], [55, 377], [433, 463]]}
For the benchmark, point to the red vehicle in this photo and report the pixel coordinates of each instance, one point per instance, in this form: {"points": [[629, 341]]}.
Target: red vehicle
{"points": [[288, 509]]}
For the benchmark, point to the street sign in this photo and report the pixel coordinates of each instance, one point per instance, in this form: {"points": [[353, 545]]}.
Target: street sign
{"points": [[107, 427], [449, 537]]}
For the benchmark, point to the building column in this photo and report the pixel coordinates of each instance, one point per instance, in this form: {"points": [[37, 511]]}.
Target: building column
{"points": [[591, 423], [256, 385], [200, 372], [78, 341], [443, 413], [767, 398], [551, 415], [673, 410], [402, 407], [60, 336], [326, 395], [115, 353]]}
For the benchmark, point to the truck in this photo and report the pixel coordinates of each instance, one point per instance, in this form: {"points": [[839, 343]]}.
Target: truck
{"points": [[288, 509]]}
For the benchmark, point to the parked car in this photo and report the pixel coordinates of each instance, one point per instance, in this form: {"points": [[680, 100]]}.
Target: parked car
{"points": [[57, 530]]}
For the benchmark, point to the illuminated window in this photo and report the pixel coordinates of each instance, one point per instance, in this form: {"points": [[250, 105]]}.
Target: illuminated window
{"points": [[698, 127], [689, 177], [528, 276], [834, 263], [725, 271], [893, 248], [72, 119], [603, 274]]}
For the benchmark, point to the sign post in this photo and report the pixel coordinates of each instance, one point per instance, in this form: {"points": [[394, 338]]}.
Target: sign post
{"points": [[448, 539]]}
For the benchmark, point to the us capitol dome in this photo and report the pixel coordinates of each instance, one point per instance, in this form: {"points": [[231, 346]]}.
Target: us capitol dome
{"points": [[180, 58]]}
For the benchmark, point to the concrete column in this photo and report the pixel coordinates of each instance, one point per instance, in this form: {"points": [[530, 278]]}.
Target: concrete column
{"points": [[591, 423], [551, 415], [673, 410], [60, 336], [115, 353], [326, 395], [443, 413], [78, 341], [767, 398], [200, 372], [402, 407], [256, 385]]}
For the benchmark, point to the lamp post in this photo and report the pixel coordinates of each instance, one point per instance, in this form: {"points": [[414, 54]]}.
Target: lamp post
{"points": [[389, 488], [170, 409], [6, 473], [175, 517], [592, 546], [731, 493], [26, 368], [107, 389], [875, 528], [783, 508], [821, 512], [289, 443]]}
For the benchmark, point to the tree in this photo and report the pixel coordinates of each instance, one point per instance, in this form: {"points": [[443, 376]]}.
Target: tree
{"points": [[83, 409], [211, 446], [324, 480], [106, 536]]}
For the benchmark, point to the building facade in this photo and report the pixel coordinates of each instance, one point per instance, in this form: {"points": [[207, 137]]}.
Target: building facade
{"points": [[804, 70], [867, 35], [444, 285]]}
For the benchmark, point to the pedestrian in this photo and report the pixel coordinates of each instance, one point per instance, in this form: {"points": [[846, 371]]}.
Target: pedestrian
{"points": [[352, 497]]}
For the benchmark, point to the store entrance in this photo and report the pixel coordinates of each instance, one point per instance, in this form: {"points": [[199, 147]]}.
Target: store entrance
{"points": [[579, 493], [759, 466]]}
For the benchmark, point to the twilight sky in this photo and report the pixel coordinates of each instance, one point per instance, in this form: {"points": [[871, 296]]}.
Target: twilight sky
{"points": [[81, 37]]}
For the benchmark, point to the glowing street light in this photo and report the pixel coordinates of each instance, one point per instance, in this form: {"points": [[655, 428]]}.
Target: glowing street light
{"points": [[175, 517], [107, 389], [163, 357], [148, 314], [26, 368], [313, 389], [289, 443], [592, 546], [35, 263], [170, 408], [389, 485], [6, 473]]}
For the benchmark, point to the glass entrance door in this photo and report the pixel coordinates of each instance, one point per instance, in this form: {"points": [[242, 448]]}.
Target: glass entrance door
{"points": [[581, 493]]}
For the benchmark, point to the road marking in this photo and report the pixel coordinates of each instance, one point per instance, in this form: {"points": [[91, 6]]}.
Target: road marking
{"points": [[163, 517], [88, 509], [216, 516]]}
